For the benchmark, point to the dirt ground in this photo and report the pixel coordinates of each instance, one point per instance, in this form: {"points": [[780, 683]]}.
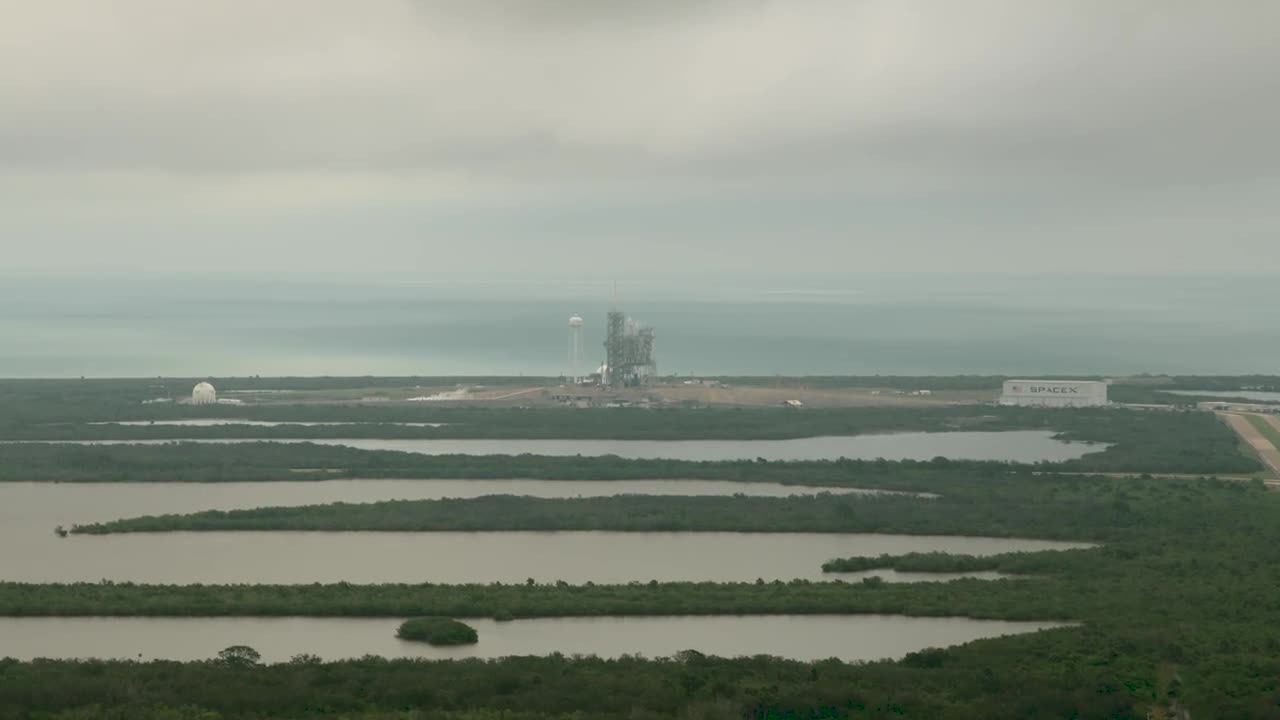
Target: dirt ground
{"points": [[824, 397], [658, 395], [740, 396]]}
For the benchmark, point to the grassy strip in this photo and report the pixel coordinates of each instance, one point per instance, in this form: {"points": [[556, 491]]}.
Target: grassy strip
{"points": [[1267, 429]]}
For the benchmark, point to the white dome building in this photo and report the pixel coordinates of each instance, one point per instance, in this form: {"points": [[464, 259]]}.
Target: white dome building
{"points": [[204, 394]]}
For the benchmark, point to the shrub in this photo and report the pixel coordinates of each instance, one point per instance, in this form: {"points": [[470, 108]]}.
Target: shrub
{"points": [[240, 656], [438, 631]]}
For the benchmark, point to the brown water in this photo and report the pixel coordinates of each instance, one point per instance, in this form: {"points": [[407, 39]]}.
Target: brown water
{"points": [[1017, 446], [457, 557], [67, 503], [800, 637], [30, 551]]}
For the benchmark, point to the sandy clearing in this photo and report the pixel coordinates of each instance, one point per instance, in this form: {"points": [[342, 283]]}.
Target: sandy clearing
{"points": [[755, 395]]}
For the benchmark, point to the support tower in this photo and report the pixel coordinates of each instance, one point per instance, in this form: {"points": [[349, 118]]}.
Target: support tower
{"points": [[629, 351]]}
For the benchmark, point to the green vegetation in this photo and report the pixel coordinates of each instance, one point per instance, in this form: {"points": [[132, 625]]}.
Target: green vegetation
{"points": [[241, 655], [1225, 383], [438, 631], [975, 499], [1178, 601], [1017, 563], [1084, 424], [1149, 395], [1083, 512], [1006, 599], [549, 423], [1156, 391], [1093, 674], [26, 412], [1157, 395], [932, 562], [1178, 604], [196, 462], [1155, 442]]}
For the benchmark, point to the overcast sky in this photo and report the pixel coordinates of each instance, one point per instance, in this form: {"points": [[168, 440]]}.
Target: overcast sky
{"points": [[569, 135]]}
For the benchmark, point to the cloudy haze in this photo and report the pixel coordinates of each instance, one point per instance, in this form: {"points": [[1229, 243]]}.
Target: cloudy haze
{"points": [[525, 135]]}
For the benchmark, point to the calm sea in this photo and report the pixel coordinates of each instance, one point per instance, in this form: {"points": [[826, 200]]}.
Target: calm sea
{"points": [[854, 324]]}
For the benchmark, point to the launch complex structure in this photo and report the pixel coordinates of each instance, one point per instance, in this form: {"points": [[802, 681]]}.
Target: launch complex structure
{"points": [[629, 358]]}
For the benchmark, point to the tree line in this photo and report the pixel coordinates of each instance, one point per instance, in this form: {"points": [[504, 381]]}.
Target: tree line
{"points": [[966, 682], [1083, 516]]}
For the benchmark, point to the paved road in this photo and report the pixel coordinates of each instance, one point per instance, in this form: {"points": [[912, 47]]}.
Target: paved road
{"points": [[1259, 442]]}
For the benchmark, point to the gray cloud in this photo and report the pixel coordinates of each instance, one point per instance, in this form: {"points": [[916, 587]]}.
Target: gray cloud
{"points": [[880, 132]]}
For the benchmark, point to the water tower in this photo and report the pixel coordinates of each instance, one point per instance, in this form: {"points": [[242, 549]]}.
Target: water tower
{"points": [[575, 349], [204, 394]]}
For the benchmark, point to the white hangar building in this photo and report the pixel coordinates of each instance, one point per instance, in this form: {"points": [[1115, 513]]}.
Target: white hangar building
{"points": [[1054, 393]]}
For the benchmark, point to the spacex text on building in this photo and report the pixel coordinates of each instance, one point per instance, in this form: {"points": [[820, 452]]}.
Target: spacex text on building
{"points": [[1054, 393]]}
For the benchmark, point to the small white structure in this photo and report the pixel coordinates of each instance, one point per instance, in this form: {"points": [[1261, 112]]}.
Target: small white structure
{"points": [[204, 394], [1054, 393]]}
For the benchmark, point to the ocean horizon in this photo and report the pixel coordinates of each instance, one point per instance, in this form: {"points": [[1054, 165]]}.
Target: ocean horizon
{"points": [[889, 324]]}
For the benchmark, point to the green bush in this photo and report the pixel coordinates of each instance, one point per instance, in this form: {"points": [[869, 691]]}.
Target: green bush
{"points": [[438, 631]]}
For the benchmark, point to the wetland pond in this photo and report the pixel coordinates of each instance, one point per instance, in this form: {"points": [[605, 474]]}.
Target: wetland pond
{"points": [[31, 552], [1012, 446], [799, 637], [30, 511], [467, 557]]}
